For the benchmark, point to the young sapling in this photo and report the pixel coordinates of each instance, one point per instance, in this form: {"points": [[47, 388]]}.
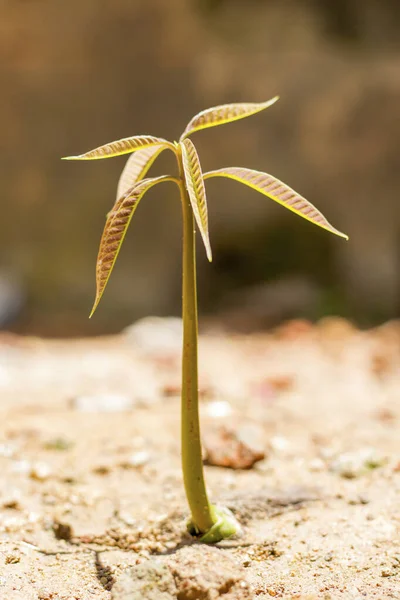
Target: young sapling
{"points": [[208, 522]]}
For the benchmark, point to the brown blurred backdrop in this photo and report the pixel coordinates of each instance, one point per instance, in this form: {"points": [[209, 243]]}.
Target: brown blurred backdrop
{"points": [[74, 75]]}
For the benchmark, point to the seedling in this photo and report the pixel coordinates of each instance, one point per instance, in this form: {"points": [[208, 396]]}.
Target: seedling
{"points": [[209, 523]]}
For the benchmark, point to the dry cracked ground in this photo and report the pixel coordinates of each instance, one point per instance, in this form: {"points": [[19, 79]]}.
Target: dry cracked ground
{"points": [[302, 423]]}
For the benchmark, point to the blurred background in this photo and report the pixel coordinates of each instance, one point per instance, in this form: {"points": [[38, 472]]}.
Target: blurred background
{"points": [[74, 75]]}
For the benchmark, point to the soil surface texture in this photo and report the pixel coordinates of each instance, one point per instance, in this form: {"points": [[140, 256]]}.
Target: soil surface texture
{"points": [[301, 442]]}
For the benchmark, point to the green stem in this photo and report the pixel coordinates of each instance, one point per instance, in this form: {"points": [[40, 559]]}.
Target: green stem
{"points": [[192, 462], [210, 523]]}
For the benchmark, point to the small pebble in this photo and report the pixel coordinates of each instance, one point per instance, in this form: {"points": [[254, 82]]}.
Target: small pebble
{"points": [[170, 545], [62, 531], [237, 448], [360, 499], [219, 409], [12, 500], [354, 464], [102, 469], [40, 471], [44, 594], [279, 443], [138, 459], [12, 559]]}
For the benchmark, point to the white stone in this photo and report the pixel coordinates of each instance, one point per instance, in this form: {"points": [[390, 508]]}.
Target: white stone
{"points": [[219, 409], [40, 471], [279, 443], [139, 459]]}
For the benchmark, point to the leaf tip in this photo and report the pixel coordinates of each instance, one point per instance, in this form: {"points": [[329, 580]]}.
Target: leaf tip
{"points": [[270, 102], [93, 309], [77, 157], [342, 235]]}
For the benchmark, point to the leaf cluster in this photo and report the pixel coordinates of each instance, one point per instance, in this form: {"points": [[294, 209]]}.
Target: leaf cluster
{"points": [[133, 184]]}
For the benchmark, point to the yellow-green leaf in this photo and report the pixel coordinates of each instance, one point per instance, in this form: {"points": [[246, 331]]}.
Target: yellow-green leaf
{"points": [[137, 166], [124, 146], [196, 190], [280, 192], [226, 113], [115, 229]]}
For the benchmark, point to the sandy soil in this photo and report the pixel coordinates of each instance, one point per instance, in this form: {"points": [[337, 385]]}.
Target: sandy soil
{"points": [[91, 497]]}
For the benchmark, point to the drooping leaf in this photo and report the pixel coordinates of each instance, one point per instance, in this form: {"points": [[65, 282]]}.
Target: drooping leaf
{"points": [[226, 113], [124, 146], [137, 166], [118, 220], [196, 190], [280, 192]]}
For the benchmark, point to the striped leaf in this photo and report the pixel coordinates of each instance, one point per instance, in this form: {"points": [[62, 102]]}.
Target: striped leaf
{"points": [[118, 220], [124, 146], [137, 166], [196, 190], [226, 113], [280, 192]]}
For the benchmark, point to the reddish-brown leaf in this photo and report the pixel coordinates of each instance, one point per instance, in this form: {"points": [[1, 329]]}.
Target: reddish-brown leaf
{"points": [[118, 220], [280, 192], [226, 113], [196, 190], [124, 146]]}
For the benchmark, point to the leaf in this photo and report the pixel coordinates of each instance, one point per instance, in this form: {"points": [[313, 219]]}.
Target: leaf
{"points": [[196, 190], [118, 220], [137, 166], [226, 113], [280, 192], [124, 146]]}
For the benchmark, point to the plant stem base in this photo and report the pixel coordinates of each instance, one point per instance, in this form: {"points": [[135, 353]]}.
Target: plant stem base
{"points": [[225, 526]]}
